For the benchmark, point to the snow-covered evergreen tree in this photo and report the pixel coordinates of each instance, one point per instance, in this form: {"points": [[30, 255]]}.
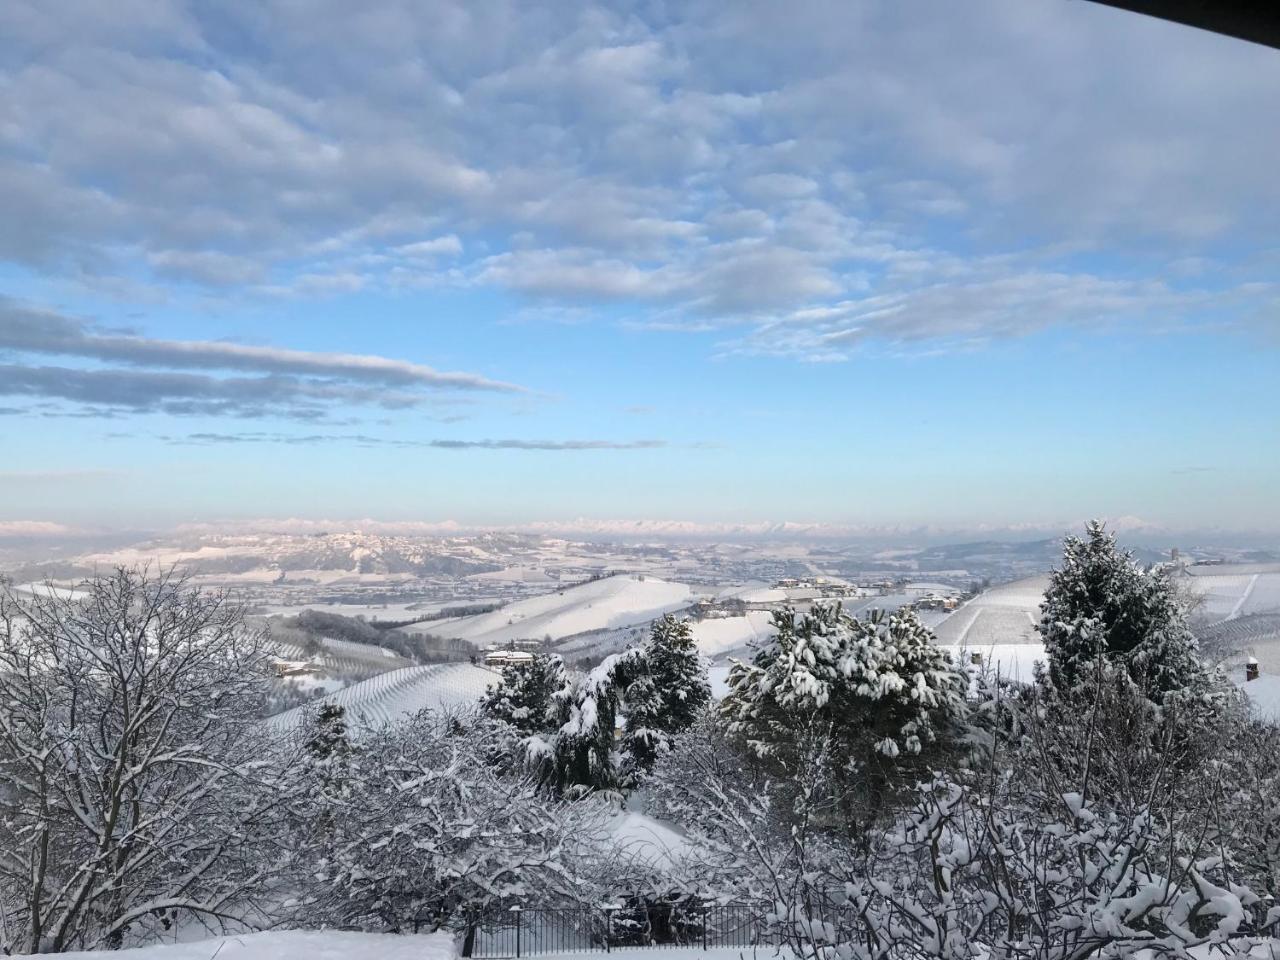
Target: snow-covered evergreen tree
{"points": [[668, 693], [525, 699], [582, 751], [327, 733], [1101, 605], [567, 724], [883, 694]]}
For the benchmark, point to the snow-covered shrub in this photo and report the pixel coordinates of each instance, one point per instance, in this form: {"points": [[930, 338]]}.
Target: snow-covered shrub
{"points": [[753, 839], [1011, 870], [425, 833], [1075, 833], [885, 697], [134, 785]]}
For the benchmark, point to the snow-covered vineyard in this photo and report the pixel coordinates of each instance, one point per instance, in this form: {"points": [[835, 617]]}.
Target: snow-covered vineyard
{"points": [[1060, 767]]}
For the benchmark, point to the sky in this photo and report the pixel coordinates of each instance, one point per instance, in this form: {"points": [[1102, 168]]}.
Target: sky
{"points": [[980, 265]]}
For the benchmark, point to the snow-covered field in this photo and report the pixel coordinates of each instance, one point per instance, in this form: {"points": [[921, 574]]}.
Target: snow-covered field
{"points": [[370, 611], [291, 945], [390, 696], [515, 575], [719, 635], [1235, 590], [344, 657], [1015, 661], [1006, 614], [597, 605]]}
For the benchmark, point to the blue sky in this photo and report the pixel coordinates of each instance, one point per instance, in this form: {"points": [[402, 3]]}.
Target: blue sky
{"points": [[974, 267]]}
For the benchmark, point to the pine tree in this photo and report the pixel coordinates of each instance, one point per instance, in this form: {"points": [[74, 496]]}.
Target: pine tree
{"points": [[328, 736], [874, 700], [582, 751], [1101, 606], [668, 693], [525, 698]]}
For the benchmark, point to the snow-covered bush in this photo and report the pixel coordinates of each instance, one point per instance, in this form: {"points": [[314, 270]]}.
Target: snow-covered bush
{"points": [[134, 785], [753, 838], [1008, 868], [885, 698], [425, 833], [1078, 832]]}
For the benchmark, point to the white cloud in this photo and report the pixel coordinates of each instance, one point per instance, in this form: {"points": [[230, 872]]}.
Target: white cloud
{"points": [[738, 164]]}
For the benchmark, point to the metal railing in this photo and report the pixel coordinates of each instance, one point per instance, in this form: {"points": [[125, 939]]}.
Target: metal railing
{"points": [[530, 932]]}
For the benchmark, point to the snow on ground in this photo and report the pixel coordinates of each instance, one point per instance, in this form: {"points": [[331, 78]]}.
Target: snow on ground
{"points": [[343, 945], [641, 837], [291, 945], [761, 595], [761, 951], [862, 606], [1015, 661], [1006, 614], [718, 635], [389, 696], [945, 589], [1234, 590], [343, 656], [597, 605], [53, 589], [718, 675], [371, 611], [1263, 694], [515, 575]]}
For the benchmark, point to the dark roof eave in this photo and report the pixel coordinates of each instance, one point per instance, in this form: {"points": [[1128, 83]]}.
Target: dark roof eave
{"points": [[1257, 21]]}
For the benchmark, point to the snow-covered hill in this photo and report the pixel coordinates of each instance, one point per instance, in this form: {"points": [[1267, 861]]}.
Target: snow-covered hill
{"points": [[600, 604], [1006, 614], [720, 635], [1234, 590], [323, 558], [389, 696]]}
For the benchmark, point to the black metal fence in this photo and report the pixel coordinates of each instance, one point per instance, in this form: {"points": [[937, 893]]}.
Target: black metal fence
{"points": [[530, 932]]}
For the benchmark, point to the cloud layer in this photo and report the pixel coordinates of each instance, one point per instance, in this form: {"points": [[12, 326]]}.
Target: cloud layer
{"points": [[365, 440], [811, 177], [144, 374]]}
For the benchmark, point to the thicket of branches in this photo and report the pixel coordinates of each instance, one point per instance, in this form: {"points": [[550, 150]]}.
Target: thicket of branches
{"points": [[132, 785], [871, 799], [1125, 801]]}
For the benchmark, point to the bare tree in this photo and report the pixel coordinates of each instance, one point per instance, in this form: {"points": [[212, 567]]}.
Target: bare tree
{"points": [[133, 787], [412, 827]]}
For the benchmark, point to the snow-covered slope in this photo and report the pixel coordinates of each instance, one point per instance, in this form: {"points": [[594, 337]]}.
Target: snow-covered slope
{"points": [[389, 696], [719, 635], [1006, 614], [597, 605], [291, 945], [1264, 695], [1234, 590]]}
